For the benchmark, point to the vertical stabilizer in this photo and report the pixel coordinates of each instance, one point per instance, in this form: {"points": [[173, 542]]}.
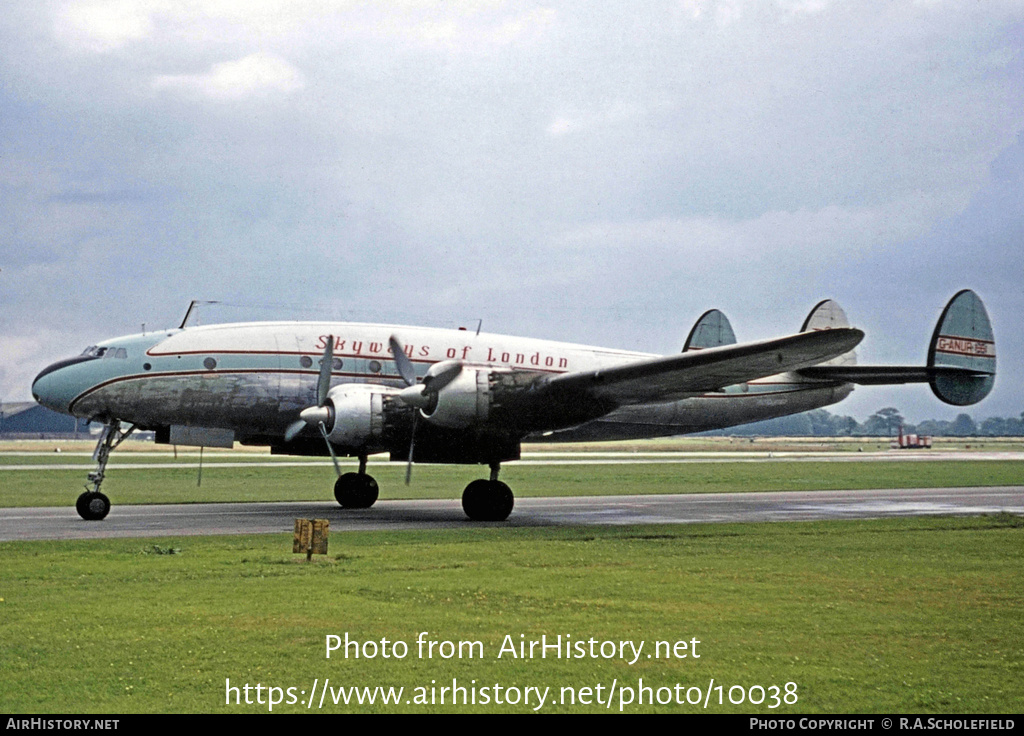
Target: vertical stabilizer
{"points": [[712, 330], [963, 338], [828, 315]]}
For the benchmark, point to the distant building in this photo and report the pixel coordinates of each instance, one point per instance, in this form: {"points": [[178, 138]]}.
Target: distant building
{"points": [[28, 420]]}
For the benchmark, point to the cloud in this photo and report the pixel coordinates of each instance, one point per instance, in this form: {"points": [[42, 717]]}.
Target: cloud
{"points": [[104, 26], [618, 166], [610, 116], [452, 27], [251, 76], [824, 235], [458, 27]]}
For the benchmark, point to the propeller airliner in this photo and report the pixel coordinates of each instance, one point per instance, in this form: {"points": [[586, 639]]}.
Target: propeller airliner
{"points": [[453, 396]]}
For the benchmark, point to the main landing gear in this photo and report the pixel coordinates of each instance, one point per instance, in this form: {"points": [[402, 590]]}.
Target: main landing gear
{"points": [[94, 505], [356, 490], [488, 500], [483, 500]]}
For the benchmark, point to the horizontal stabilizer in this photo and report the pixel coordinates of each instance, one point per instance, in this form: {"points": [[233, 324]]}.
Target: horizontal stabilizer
{"points": [[961, 363], [884, 375]]}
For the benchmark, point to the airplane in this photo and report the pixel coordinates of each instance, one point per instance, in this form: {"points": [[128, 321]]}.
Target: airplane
{"points": [[435, 395]]}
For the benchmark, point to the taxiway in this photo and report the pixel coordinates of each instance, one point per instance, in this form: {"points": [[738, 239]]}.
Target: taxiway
{"points": [[265, 518]]}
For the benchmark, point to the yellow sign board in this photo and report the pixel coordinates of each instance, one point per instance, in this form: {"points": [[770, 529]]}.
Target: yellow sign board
{"points": [[311, 537]]}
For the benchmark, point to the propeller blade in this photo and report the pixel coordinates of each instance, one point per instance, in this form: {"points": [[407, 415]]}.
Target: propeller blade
{"points": [[293, 429], [330, 448], [402, 362], [310, 416], [412, 446], [441, 374], [420, 395], [323, 385], [318, 414]]}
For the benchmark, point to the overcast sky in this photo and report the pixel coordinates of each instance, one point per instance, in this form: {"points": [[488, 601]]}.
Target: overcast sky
{"points": [[595, 172]]}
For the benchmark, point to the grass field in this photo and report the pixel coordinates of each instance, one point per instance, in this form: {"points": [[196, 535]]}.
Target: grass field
{"points": [[697, 466], [178, 485], [666, 444], [895, 616], [892, 616]]}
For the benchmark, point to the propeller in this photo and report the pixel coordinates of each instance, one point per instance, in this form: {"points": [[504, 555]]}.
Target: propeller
{"points": [[320, 414], [420, 395]]}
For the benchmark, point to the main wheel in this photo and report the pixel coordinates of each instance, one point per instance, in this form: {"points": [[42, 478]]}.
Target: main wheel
{"points": [[356, 491], [487, 500], [92, 506]]}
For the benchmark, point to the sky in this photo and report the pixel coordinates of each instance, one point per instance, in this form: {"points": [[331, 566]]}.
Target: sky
{"points": [[599, 173]]}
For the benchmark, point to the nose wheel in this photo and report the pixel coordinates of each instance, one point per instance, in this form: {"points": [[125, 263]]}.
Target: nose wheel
{"points": [[93, 505]]}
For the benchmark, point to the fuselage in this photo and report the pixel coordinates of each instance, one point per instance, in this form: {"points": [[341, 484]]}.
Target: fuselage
{"points": [[428, 395], [254, 378]]}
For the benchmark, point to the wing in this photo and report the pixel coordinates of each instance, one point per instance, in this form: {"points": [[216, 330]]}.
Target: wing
{"points": [[694, 372]]}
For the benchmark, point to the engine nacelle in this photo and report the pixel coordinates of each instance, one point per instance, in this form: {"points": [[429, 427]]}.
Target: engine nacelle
{"points": [[464, 402], [358, 413]]}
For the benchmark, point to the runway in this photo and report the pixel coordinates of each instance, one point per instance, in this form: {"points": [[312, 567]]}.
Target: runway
{"points": [[268, 518], [48, 461]]}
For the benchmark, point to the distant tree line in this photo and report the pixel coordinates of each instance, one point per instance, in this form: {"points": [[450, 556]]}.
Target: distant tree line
{"points": [[883, 423]]}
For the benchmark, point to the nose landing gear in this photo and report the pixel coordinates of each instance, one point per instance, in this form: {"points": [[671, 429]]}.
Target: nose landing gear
{"points": [[94, 505]]}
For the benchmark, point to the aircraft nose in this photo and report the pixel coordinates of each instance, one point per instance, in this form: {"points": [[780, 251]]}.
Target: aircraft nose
{"points": [[46, 388]]}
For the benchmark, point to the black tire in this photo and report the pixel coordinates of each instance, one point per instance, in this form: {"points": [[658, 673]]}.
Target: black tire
{"points": [[486, 500], [368, 492], [356, 491], [92, 506]]}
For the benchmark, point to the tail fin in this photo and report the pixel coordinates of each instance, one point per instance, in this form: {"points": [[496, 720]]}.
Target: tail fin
{"points": [[961, 366], [963, 339], [710, 331], [828, 315]]}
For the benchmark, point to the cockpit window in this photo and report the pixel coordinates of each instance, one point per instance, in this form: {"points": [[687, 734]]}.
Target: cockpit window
{"points": [[97, 352]]}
